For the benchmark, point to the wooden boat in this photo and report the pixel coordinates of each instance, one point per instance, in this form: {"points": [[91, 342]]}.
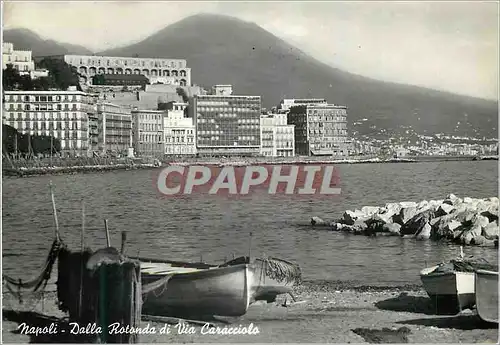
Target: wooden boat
{"points": [[486, 285], [189, 291], [272, 277], [451, 291]]}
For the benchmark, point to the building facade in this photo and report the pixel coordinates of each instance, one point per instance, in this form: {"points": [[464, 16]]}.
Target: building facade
{"points": [[90, 65], [147, 133], [222, 90], [286, 104], [113, 129], [21, 60], [227, 125], [277, 137], [179, 131], [62, 114], [320, 129]]}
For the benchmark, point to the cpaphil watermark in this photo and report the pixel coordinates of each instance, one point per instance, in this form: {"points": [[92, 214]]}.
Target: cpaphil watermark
{"points": [[305, 179]]}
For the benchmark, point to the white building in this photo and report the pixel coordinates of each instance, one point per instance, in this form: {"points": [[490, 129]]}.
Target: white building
{"points": [[222, 90], [175, 71], [21, 60], [61, 114], [179, 131], [147, 132], [111, 128], [286, 104], [277, 137]]}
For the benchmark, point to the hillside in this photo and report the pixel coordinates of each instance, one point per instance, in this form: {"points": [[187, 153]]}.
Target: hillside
{"points": [[28, 40], [222, 50]]}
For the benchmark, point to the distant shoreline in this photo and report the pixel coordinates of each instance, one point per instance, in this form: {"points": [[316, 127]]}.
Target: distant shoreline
{"points": [[68, 170]]}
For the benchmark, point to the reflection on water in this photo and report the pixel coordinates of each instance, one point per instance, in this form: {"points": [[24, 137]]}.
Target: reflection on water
{"points": [[215, 228]]}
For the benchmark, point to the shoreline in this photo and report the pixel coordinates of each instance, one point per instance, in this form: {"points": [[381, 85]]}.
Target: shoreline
{"points": [[82, 169], [323, 313]]}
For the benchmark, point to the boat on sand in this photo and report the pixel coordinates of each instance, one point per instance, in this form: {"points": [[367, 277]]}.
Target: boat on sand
{"points": [[486, 284], [184, 291]]}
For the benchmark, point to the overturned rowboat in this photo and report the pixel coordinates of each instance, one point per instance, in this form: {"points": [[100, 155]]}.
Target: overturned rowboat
{"points": [[487, 295], [184, 291]]}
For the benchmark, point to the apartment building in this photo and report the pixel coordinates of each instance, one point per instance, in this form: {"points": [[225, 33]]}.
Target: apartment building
{"points": [[61, 114], [111, 129], [320, 129], [277, 137], [172, 71], [227, 124], [147, 132], [286, 104], [179, 131], [21, 60]]}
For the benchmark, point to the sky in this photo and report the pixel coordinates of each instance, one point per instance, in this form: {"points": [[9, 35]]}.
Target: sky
{"points": [[450, 46]]}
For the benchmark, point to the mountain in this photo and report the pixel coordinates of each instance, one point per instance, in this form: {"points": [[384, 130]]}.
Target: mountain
{"points": [[225, 50], [24, 39]]}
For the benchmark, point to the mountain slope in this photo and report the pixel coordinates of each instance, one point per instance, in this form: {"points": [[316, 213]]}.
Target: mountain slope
{"points": [[225, 50], [24, 39]]}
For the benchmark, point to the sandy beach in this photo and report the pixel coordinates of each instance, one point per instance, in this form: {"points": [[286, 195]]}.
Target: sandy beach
{"points": [[322, 313]]}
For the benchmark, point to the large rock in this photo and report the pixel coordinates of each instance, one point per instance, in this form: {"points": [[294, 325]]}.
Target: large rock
{"points": [[405, 204], [424, 233], [417, 223], [444, 209], [317, 221], [405, 215], [490, 231], [369, 210], [469, 234], [392, 228], [349, 217], [481, 221], [451, 199]]}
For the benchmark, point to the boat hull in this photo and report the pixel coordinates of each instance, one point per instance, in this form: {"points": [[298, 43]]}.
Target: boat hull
{"points": [[486, 283], [219, 291], [450, 292]]}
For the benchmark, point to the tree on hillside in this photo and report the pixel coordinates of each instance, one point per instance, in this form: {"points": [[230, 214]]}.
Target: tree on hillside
{"points": [[10, 78], [185, 98], [62, 74]]}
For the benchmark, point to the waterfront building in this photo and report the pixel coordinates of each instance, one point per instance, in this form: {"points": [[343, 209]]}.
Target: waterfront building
{"points": [[227, 124], [277, 137], [286, 104], [147, 132], [222, 90], [175, 70], [21, 60], [61, 114], [111, 128], [320, 129], [179, 131]]}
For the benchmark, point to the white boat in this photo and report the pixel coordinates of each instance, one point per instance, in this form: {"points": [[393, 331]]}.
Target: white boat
{"points": [[451, 291], [487, 295], [184, 291]]}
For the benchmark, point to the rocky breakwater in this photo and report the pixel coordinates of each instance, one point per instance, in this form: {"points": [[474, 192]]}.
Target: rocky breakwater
{"points": [[466, 221]]}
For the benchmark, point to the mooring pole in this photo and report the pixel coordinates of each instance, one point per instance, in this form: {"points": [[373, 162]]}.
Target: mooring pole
{"points": [[108, 242], [250, 248], [54, 210], [80, 297]]}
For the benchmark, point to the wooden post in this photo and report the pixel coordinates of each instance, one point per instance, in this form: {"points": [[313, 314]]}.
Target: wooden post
{"points": [[250, 248], [54, 210], [124, 239], [108, 242]]}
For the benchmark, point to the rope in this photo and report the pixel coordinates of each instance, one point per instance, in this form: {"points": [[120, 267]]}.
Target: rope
{"points": [[42, 279]]}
